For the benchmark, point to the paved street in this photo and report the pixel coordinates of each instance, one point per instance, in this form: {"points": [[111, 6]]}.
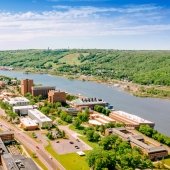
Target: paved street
{"points": [[42, 154]]}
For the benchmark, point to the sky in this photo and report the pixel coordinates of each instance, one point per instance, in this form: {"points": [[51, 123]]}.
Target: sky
{"points": [[104, 24]]}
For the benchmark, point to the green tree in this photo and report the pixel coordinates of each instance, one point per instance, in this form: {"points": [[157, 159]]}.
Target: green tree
{"points": [[107, 142], [99, 159], [96, 137], [90, 134], [45, 110], [83, 116], [77, 123]]}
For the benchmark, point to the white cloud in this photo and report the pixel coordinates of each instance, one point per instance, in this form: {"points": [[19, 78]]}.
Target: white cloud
{"points": [[82, 22]]}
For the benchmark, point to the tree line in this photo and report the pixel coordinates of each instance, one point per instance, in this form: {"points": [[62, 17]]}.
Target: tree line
{"points": [[150, 132], [142, 67]]}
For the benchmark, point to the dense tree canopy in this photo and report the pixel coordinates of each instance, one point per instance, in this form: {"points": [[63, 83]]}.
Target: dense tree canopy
{"points": [[143, 67], [114, 153]]}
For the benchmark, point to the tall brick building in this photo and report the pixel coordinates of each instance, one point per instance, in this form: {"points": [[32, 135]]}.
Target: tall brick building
{"points": [[26, 86], [41, 90], [56, 96]]}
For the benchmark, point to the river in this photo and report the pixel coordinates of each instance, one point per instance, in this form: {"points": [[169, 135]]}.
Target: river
{"points": [[156, 110]]}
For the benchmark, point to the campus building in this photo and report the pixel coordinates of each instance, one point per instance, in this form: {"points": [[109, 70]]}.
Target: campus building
{"points": [[23, 110], [99, 119], [28, 124], [88, 102], [154, 152], [42, 120], [56, 96], [41, 90], [7, 136], [129, 120], [9, 161], [3, 150], [71, 111], [26, 86], [16, 101], [17, 162]]}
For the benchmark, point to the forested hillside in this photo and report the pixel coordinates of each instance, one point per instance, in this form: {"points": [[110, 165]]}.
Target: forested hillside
{"points": [[142, 67]]}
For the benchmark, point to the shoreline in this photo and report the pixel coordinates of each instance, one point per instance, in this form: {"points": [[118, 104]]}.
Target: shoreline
{"points": [[130, 87]]}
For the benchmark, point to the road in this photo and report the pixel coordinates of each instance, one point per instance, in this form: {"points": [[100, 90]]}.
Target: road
{"points": [[50, 162]]}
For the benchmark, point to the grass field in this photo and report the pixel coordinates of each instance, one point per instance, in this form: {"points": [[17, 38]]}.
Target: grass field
{"points": [[167, 161], [71, 59], [71, 161], [92, 144]]}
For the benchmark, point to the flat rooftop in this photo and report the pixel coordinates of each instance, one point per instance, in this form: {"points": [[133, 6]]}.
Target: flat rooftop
{"points": [[95, 122], [25, 107], [39, 115], [43, 87], [17, 99], [92, 101], [149, 148], [28, 121], [56, 91], [71, 109], [3, 149], [132, 117], [18, 162], [6, 133], [136, 139], [102, 116]]}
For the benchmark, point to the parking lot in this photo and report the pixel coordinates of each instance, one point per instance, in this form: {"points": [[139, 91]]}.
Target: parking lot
{"points": [[73, 144]]}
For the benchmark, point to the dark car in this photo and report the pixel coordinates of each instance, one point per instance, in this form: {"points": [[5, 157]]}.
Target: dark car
{"points": [[77, 147], [71, 142]]}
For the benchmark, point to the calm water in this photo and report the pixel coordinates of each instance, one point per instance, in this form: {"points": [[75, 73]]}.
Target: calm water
{"points": [[156, 110]]}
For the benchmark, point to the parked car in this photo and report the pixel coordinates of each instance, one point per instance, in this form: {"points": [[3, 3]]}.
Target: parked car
{"points": [[71, 142], [77, 147]]}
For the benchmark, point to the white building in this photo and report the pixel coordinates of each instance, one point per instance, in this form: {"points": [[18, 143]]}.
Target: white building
{"points": [[42, 120], [130, 119], [17, 101], [23, 110]]}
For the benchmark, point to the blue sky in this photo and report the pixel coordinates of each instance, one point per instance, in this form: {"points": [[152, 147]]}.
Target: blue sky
{"points": [[110, 24]]}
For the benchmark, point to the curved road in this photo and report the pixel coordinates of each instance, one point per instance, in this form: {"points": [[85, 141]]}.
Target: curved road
{"points": [[46, 159]]}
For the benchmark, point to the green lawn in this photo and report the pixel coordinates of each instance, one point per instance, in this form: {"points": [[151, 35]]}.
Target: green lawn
{"points": [[167, 161], [71, 161], [92, 144], [80, 131]]}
